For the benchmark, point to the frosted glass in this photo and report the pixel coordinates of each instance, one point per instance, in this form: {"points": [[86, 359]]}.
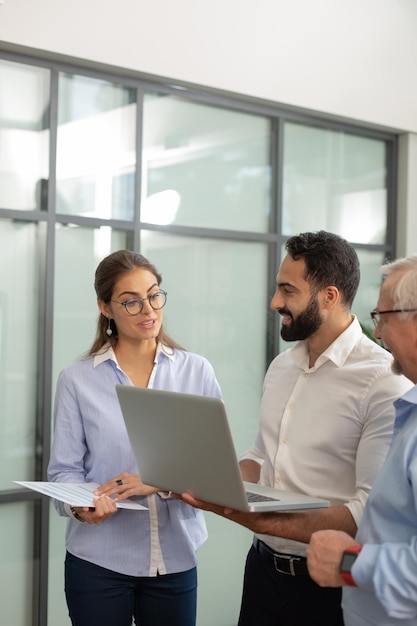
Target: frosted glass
{"points": [[96, 148], [24, 136], [16, 563], [205, 166], [217, 306], [334, 181], [19, 305]]}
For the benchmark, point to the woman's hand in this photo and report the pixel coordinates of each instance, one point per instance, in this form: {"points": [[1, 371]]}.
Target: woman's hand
{"points": [[103, 508], [123, 486]]}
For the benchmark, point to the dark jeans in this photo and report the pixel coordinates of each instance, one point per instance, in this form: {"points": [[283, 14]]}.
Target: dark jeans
{"points": [[96, 595], [274, 599]]}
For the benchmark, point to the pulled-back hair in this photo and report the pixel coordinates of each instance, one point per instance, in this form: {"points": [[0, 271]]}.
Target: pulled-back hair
{"points": [[108, 272], [404, 291], [329, 260]]}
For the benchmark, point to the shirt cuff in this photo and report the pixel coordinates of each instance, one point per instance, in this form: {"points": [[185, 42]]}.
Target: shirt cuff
{"points": [[252, 456]]}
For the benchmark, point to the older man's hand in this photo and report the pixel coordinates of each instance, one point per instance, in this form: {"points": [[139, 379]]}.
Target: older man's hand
{"points": [[324, 555]]}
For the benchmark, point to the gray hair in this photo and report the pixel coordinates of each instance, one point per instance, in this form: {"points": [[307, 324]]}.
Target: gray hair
{"points": [[404, 290]]}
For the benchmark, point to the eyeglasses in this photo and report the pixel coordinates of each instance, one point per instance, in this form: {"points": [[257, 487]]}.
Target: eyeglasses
{"points": [[135, 305], [376, 315]]}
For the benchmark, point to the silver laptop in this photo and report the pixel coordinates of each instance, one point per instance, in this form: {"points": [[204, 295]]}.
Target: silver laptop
{"points": [[183, 442]]}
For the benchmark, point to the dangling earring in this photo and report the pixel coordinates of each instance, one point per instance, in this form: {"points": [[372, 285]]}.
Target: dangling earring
{"points": [[109, 331]]}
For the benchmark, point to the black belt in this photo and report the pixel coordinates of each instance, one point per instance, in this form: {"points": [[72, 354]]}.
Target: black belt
{"points": [[283, 563]]}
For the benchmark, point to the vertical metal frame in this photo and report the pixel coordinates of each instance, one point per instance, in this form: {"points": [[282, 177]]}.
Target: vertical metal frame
{"points": [[44, 391], [140, 96], [272, 338], [392, 196]]}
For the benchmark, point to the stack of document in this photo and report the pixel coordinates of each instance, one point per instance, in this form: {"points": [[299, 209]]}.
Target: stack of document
{"points": [[75, 494]]}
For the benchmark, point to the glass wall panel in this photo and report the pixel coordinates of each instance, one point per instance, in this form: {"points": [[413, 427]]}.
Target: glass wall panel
{"points": [[205, 166], [16, 563], [19, 304], [217, 306], [334, 181], [78, 252], [96, 151], [24, 136]]}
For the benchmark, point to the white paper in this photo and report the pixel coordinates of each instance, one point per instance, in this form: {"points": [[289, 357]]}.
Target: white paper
{"points": [[75, 494]]}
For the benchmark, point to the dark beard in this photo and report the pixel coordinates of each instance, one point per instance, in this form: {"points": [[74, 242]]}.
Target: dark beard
{"points": [[304, 325]]}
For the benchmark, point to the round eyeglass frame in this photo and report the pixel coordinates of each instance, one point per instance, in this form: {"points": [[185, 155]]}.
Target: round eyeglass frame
{"points": [[141, 301]]}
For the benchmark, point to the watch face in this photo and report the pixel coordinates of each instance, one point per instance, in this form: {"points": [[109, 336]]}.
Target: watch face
{"points": [[347, 561]]}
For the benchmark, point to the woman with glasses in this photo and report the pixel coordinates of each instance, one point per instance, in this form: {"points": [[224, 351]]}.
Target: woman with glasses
{"points": [[122, 563]]}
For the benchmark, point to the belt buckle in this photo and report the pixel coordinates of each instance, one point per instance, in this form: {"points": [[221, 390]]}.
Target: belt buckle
{"points": [[290, 560]]}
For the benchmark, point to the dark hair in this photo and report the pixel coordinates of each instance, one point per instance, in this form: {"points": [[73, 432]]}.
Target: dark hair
{"points": [[107, 274], [329, 260]]}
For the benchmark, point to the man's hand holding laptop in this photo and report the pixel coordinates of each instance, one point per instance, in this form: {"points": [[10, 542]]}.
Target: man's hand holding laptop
{"points": [[257, 522]]}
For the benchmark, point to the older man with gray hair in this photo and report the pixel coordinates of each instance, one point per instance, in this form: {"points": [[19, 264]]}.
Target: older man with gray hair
{"points": [[379, 568]]}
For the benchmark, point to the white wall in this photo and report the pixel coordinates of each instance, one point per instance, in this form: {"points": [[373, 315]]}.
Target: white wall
{"points": [[352, 58]]}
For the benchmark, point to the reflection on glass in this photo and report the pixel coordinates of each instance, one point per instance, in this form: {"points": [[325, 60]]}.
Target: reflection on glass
{"points": [[161, 207], [75, 306], [24, 136], [216, 161], [19, 297], [218, 307], [16, 563], [334, 181], [96, 154]]}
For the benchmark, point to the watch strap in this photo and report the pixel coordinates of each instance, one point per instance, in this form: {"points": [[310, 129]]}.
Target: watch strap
{"points": [[346, 575], [75, 515]]}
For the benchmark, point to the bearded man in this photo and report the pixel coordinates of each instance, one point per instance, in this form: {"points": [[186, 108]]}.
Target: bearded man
{"points": [[325, 425]]}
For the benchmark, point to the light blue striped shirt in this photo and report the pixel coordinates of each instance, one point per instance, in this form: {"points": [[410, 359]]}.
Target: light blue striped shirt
{"points": [[91, 445], [386, 569]]}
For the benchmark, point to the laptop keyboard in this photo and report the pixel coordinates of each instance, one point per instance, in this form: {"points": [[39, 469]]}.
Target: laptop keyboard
{"points": [[257, 497]]}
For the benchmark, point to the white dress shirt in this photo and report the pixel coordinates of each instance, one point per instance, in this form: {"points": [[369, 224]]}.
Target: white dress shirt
{"points": [[325, 430]]}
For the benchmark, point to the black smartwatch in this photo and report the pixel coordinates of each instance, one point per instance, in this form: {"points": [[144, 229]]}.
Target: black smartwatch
{"points": [[349, 557]]}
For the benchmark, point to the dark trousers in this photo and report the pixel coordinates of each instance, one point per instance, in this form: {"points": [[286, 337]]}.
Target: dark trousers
{"points": [[274, 599], [96, 595]]}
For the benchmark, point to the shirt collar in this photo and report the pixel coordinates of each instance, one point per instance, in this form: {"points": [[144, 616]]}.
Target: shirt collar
{"points": [[404, 409], [107, 354], [410, 397], [337, 352]]}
